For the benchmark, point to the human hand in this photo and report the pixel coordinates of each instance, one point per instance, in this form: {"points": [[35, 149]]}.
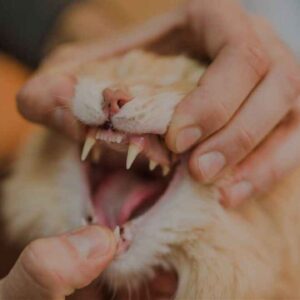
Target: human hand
{"points": [[54, 268], [244, 114]]}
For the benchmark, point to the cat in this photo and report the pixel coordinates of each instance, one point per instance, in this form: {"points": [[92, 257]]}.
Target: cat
{"points": [[165, 221]]}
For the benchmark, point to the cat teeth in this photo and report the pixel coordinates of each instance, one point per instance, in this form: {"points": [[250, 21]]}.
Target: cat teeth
{"points": [[88, 145], [109, 138], [165, 170], [133, 152], [152, 165]]}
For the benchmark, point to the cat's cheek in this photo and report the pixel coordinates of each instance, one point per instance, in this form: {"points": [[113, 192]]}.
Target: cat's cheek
{"points": [[88, 101]]}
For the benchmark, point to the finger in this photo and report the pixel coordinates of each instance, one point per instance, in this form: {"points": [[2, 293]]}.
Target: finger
{"points": [[263, 110], [53, 268], [46, 99], [239, 63], [271, 162]]}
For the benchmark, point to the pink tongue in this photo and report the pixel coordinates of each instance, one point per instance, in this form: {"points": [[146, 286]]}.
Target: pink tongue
{"points": [[119, 195]]}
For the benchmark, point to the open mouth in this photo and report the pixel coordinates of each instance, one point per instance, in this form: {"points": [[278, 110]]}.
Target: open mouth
{"points": [[127, 174]]}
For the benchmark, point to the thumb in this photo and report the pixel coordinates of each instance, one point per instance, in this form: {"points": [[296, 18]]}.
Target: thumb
{"points": [[55, 267]]}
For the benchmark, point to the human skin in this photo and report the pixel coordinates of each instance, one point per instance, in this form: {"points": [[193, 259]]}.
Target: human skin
{"points": [[55, 267], [243, 117]]}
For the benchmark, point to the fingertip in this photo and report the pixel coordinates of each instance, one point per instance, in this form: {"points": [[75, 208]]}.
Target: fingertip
{"points": [[62, 89], [170, 140], [94, 242], [43, 93], [182, 136], [176, 124], [207, 167], [193, 167]]}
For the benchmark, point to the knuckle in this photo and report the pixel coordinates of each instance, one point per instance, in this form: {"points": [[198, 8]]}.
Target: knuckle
{"points": [[255, 57], [220, 113], [34, 263], [274, 175], [33, 258], [245, 140]]}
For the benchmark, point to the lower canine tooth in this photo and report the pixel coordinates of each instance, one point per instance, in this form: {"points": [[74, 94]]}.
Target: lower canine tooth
{"points": [[133, 152], [152, 165], [88, 145], [165, 170]]}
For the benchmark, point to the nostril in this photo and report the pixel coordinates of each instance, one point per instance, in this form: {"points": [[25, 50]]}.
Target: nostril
{"points": [[121, 103], [115, 99]]}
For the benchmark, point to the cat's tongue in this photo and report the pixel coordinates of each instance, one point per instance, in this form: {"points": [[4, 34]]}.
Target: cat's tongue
{"points": [[121, 195]]}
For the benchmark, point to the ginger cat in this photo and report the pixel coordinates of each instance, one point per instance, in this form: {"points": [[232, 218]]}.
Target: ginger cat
{"points": [[166, 222]]}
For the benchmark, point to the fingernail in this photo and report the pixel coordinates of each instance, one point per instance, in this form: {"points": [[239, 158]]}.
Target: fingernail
{"points": [[237, 193], [210, 164], [187, 137], [92, 242]]}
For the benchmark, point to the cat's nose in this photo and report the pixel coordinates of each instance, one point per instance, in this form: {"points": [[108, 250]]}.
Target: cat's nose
{"points": [[115, 98]]}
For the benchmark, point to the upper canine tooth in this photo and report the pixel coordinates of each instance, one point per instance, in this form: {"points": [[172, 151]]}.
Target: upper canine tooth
{"points": [[152, 165], [88, 145], [133, 152], [165, 170]]}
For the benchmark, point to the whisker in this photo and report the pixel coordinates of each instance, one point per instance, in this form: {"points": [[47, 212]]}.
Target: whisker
{"points": [[146, 284], [114, 290], [128, 289], [99, 283]]}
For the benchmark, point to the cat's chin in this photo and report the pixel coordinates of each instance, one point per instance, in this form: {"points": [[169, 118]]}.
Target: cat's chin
{"points": [[162, 286]]}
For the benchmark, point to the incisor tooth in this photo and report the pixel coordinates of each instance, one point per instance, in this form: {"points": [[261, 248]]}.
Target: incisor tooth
{"points": [[133, 152], [152, 165], [165, 170], [88, 145]]}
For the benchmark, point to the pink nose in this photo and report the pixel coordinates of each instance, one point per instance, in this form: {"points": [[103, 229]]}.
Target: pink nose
{"points": [[115, 98]]}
